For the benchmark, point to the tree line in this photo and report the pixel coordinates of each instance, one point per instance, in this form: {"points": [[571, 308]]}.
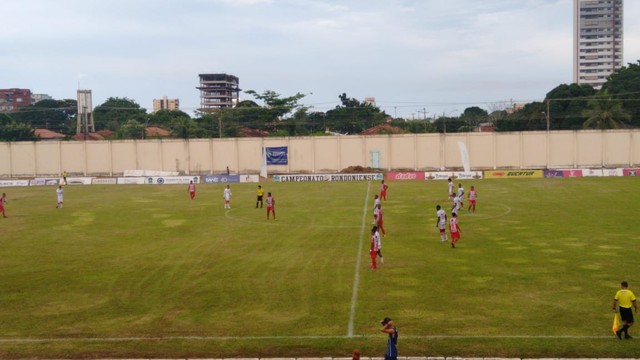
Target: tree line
{"points": [[566, 107]]}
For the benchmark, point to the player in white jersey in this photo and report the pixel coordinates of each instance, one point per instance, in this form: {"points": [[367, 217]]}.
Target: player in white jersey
{"points": [[60, 196], [378, 243], [450, 184], [461, 195], [227, 197], [441, 223], [376, 206], [456, 205]]}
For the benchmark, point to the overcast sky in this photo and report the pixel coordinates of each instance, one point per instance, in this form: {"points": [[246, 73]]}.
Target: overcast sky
{"points": [[438, 56]]}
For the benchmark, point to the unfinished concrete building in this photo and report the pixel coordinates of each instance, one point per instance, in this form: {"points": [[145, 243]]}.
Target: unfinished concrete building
{"points": [[218, 91]]}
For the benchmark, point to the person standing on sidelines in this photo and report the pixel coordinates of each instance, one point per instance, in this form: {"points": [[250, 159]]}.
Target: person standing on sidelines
{"points": [[64, 177], [259, 196], [60, 196], [450, 187], [625, 300], [392, 341], [227, 197], [271, 206], [441, 223], [473, 195], [373, 250], [192, 190], [3, 200], [383, 191], [454, 228]]}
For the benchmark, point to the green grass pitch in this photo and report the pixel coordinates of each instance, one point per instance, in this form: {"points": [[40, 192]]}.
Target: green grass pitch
{"points": [[141, 271]]}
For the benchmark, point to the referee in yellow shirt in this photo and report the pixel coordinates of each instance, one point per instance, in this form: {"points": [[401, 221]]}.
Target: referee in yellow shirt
{"points": [[260, 195], [624, 300]]}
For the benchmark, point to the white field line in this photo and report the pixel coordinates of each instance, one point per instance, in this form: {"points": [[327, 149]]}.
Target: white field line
{"points": [[356, 280], [292, 337]]}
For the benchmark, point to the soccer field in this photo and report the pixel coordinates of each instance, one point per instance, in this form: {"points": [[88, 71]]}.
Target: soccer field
{"points": [[142, 271]]}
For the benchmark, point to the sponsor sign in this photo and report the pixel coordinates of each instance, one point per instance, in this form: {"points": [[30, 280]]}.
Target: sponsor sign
{"points": [[513, 174], [592, 172], [572, 172], [454, 175], [14, 183], [217, 179], [612, 172], [44, 181], [411, 175], [328, 177], [131, 180], [78, 181], [159, 180], [143, 173], [553, 173], [249, 178], [631, 172], [104, 181], [277, 155]]}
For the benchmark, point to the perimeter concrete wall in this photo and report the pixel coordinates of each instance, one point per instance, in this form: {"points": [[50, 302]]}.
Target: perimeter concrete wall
{"points": [[518, 150]]}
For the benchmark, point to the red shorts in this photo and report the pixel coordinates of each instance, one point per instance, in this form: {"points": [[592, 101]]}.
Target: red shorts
{"points": [[455, 236], [472, 201]]}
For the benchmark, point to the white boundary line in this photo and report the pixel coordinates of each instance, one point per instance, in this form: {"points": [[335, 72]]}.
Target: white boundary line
{"points": [[293, 337], [356, 280]]}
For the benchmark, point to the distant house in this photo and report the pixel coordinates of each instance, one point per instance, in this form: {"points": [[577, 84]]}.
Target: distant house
{"points": [[156, 132], [88, 136], [48, 135], [248, 132], [382, 129]]}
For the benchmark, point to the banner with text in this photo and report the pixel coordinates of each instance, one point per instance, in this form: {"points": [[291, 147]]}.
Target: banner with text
{"points": [[44, 181], [220, 179], [328, 177], [277, 155], [4, 183], [160, 180], [454, 175], [409, 175], [513, 174], [104, 181]]}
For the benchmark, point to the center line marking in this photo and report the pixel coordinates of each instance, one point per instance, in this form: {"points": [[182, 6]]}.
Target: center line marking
{"points": [[356, 280]]}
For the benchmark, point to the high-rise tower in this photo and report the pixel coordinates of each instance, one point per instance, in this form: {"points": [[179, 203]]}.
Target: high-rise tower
{"points": [[218, 91], [597, 40]]}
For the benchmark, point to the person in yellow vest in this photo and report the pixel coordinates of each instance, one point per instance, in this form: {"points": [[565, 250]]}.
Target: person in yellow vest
{"points": [[624, 300], [260, 196]]}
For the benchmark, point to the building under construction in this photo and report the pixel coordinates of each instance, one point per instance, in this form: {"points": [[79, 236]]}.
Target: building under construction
{"points": [[218, 91]]}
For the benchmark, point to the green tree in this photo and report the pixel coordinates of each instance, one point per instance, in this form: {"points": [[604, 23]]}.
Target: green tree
{"points": [[624, 85], [10, 130], [473, 117], [353, 116], [163, 118], [56, 115], [184, 127], [278, 106], [603, 112], [132, 129], [115, 112], [566, 105]]}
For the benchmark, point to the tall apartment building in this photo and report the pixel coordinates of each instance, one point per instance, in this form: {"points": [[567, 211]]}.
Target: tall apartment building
{"points": [[166, 104], [218, 91], [597, 39], [11, 100]]}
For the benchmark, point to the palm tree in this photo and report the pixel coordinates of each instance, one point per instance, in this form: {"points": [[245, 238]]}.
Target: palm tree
{"points": [[603, 112]]}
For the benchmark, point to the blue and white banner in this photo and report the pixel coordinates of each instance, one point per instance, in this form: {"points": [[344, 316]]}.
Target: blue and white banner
{"points": [[220, 179], [277, 155]]}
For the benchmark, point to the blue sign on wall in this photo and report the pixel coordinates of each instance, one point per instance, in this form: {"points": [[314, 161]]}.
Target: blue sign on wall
{"points": [[277, 155], [220, 179]]}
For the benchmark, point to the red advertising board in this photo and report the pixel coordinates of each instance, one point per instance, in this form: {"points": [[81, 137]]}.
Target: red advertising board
{"points": [[406, 175]]}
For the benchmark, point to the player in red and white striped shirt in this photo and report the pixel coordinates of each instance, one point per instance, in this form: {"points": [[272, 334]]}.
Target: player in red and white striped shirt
{"points": [[3, 200], [473, 195], [454, 229]]}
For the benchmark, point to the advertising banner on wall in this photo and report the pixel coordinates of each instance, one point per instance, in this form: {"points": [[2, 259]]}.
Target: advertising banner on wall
{"points": [[631, 172], [454, 175], [220, 179], [277, 155], [104, 181], [513, 174], [592, 172], [408, 175], [249, 178], [160, 180], [612, 172], [569, 173], [131, 180], [328, 177], [78, 181], [4, 183], [44, 181], [553, 173]]}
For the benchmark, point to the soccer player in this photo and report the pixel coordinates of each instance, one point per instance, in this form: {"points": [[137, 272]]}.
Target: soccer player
{"points": [[383, 191], [376, 204], [373, 251], [192, 190], [450, 186], [60, 195], [227, 197], [381, 222], [456, 205], [461, 195], [378, 243], [271, 206], [376, 214], [441, 223], [3, 200], [624, 300], [473, 195], [454, 228], [392, 342], [260, 196]]}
